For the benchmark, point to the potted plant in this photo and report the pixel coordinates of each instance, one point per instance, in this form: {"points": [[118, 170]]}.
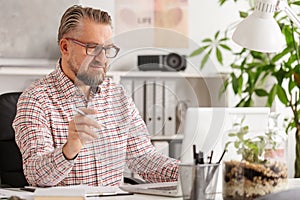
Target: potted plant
{"points": [[252, 174], [252, 69]]}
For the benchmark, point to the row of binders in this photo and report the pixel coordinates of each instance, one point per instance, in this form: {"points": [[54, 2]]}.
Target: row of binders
{"points": [[156, 101]]}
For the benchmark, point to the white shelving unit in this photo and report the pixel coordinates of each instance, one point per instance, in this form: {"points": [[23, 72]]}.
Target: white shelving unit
{"points": [[191, 87]]}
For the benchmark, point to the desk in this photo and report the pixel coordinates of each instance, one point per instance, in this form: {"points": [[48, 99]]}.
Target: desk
{"points": [[292, 183]]}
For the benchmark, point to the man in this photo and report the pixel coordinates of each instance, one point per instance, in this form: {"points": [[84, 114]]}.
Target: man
{"points": [[62, 146]]}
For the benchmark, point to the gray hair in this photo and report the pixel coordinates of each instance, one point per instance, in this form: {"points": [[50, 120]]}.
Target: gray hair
{"points": [[73, 16]]}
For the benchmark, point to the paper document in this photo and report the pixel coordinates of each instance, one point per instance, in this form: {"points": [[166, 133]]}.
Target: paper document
{"points": [[78, 191], [8, 192]]}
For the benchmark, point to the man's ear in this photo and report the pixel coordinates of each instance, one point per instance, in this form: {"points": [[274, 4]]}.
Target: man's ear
{"points": [[63, 46]]}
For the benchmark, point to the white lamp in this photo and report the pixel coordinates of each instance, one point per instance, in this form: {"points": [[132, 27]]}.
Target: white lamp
{"points": [[260, 31]]}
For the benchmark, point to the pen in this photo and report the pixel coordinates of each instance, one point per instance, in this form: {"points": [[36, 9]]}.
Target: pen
{"points": [[84, 114], [210, 157], [109, 194], [221, 157], [195, 155]]}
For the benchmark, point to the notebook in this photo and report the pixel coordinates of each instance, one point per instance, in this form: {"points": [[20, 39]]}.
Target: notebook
{"points": [[204, 126]]}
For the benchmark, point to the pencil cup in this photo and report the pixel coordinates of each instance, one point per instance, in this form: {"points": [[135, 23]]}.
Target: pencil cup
{"points": [[199, 182]]}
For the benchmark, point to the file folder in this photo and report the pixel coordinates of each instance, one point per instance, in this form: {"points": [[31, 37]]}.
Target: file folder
{"points": [[149, 107], [170, 107], [159, 108]]}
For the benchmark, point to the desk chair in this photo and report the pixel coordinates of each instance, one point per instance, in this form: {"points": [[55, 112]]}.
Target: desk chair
{"points": [[11, 169]]}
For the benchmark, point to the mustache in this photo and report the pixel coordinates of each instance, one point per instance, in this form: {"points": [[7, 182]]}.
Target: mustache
{"points": [[97, 63]]}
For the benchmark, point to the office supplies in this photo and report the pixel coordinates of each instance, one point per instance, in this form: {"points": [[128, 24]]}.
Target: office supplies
{"points": [[221, 156], [200, 158], [199, 182], [210, 157]]}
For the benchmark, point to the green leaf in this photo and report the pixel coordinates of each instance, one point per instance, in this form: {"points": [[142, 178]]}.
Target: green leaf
{"points": [[234, 82], [207, 40], [196, 52], [261, 92], [205, 59], [236, 145], [296, 3], [271, 96], [225, 47], [224, 39], [219, 56], [221, 2], [217, 34], [280, 55], [240, 84], [243, 14], [282, 95], [231, 134]]}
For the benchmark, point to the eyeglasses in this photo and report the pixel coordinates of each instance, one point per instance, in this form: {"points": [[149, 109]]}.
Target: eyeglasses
{"points": [[110, 50]]}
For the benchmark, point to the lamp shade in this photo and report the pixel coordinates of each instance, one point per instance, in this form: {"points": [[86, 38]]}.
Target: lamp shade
{"points": [[260, 31]]}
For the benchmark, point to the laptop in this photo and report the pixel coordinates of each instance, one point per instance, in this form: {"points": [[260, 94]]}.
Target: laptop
{"points": [[169, 189], [204, 127]]}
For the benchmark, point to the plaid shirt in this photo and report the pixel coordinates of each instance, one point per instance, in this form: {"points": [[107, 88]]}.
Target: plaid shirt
{"points": [[41, 125]]}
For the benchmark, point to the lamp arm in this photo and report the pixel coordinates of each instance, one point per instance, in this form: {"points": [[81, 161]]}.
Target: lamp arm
{"points": [[283, 5]]}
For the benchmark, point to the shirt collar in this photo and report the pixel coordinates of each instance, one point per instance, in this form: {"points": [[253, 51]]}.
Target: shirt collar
{"points": [[67, 86]]}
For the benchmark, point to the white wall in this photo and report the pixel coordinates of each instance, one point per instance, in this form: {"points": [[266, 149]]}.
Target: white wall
{"points": [[205, 18]]}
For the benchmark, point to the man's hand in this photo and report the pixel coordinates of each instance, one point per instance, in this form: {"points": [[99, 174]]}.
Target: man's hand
{"points": [[80, 131]]}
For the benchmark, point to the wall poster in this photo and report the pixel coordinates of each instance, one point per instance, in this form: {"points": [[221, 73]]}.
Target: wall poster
{"points": [[166, 21]]}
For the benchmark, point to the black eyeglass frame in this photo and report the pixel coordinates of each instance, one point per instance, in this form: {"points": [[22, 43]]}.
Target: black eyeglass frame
{"points": [[95, 46]]}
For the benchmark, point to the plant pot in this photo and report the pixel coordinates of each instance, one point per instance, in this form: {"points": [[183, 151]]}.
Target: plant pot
{"points": [[243, 180]]}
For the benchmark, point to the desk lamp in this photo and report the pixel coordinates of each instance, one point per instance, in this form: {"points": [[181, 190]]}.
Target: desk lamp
{"points": [[260, 31]]}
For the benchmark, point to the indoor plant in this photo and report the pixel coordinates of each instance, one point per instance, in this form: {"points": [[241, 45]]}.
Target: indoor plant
{"points": [[251, 69], [252, 173]]}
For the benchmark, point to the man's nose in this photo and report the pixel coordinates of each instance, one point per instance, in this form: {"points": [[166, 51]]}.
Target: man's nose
{"points": [[101, 56]]}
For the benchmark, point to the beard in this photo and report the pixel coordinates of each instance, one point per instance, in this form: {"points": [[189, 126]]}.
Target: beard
{"points": [[87, 75], [91, 79]]}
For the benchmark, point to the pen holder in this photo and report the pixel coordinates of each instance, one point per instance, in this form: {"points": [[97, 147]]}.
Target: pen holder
{"points": [[199, 182]]}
